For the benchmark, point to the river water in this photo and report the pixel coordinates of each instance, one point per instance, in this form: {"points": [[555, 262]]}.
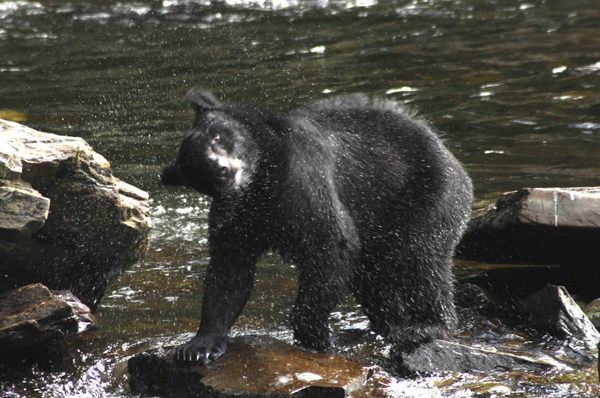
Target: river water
{"points": [[513, 87]]}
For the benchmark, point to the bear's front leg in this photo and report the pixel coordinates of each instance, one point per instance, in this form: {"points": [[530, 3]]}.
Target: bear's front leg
{"points": [[227, 286]]}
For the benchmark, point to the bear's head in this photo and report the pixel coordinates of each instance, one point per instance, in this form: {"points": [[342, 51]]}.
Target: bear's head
{"points": [[218, 156]]}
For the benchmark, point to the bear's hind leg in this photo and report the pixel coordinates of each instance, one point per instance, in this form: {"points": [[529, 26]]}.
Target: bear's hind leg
{"points": [[407, 302]]}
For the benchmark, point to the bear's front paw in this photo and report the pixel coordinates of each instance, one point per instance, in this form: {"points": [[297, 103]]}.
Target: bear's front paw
{"points": [[201, 349]]}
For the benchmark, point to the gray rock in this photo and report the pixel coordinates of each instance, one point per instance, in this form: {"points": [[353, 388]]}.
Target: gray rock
{"points": [[65, 220], [553, 310], [537, 226], [22, 208], [251, 367], [592, 310], [447, 356]]}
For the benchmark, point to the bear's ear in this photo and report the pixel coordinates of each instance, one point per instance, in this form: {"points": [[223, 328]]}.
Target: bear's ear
{"points": [[202, 99]]}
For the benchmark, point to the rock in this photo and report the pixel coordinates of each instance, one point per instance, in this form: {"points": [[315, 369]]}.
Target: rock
{"points": [[35, 320], [472, 297], [447, 356], [65, 220], [252, 367], [537, 226], [592, 310], [553, 310], [22, 208]]}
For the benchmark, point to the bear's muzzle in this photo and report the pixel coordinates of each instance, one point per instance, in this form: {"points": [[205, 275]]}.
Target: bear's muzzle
{"points": [[170, 176]]}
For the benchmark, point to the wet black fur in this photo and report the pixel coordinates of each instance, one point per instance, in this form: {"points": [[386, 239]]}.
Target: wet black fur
{"points": [[358, 193]]}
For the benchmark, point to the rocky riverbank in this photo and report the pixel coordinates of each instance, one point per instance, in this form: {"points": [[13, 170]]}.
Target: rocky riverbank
{"points": [[68, 227], [65, 220]]}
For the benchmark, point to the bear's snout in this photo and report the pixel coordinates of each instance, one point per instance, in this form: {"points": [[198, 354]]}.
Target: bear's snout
{"points": [[170, 176]]}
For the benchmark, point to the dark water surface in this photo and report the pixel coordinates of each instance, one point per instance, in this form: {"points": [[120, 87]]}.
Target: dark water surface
{"points": [[513, 85]]}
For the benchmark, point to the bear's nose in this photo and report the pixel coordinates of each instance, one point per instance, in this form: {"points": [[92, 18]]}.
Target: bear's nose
{"points": [[222, 171], [170, 176]]}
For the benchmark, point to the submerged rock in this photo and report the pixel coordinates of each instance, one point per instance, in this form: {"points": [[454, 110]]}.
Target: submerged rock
{"points": [[34, 321], [251, 367], [537, 226], [447, 356], [65, 220], [469, 296]]}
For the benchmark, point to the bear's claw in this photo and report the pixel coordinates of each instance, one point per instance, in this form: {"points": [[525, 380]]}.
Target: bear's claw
{"points": [[201, 350]]}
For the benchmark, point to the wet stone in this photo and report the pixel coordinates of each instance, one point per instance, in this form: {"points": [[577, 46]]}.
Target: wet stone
{"points": [[252, 367], [65, 220], [537, 226], [552, 310], [447, 356], [592, 310], [34, 321]]}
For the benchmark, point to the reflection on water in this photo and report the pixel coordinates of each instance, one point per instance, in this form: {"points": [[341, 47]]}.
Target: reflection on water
{"points": [[513, 86]]}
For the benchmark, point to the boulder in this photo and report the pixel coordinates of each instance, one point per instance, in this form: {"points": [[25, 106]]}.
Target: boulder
{"points": [[552, 310], [537, 226], [34, 321], [65, 220], [252, 367]]}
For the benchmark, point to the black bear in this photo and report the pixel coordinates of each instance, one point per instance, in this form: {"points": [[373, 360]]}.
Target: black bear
{"points": [[357, 192]]}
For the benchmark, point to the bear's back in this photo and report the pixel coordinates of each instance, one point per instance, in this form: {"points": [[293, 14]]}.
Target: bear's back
{"points": [[375, 156]]}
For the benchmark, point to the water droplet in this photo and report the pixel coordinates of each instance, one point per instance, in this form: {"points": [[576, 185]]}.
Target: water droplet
{"points": [[590, 68], [558, 70], [404, 89], [585, 126], [493, 151]]}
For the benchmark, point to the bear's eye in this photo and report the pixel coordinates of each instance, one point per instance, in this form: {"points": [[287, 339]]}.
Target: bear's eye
{"points": [[216, 139]]}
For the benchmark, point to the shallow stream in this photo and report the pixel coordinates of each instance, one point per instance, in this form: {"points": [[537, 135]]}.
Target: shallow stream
{"points": [[514, 87]]}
